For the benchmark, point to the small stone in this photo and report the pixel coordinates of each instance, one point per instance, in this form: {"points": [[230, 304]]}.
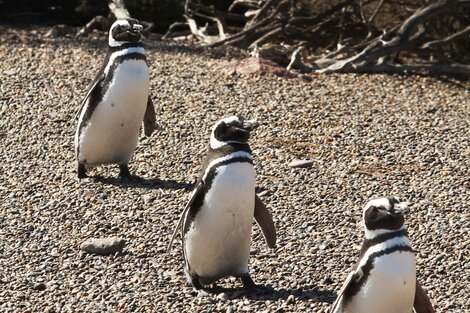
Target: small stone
{"points": [[328, 139], [290, 300], [264, 193], [54, 252], [53, 32], [40, 287], [59, 30], [222, 296], [328, 281], [301, 163], [202, 293], [103, 246], [147, 199]]}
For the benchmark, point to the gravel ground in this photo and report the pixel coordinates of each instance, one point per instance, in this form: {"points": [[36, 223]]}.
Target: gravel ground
{"points": [[367, 135]]}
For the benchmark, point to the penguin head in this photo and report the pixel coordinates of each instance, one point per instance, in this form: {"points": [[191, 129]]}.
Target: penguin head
{"points": [[384, 213], [125, 31], [232, 129]]}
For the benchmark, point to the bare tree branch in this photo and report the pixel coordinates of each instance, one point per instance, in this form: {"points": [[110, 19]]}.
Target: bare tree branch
{"points": [[263, 12], [376, 10], [437, 69], [432, 44], [361, 46], [171, 33], [252, 4], [405, 38], [98, 22], [118, 9], [423, 14]]}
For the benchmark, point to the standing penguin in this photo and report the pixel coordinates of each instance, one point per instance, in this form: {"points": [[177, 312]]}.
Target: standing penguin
{"points": [[384, 278], [116, 103], [217, 221]]}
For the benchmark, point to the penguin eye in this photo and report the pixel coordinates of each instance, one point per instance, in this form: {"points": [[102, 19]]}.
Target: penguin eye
{"points": [[375, 209]]}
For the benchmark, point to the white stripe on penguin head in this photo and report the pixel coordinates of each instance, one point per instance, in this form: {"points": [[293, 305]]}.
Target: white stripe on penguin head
{"points": [[215, 143], [113, 42]]}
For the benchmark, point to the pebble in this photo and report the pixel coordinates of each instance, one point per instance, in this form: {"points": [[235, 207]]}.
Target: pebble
{"points": [[222, 296], [202, 293], [301, 164], [147, 199], [103, 246], [290, 300], [40, 287]]}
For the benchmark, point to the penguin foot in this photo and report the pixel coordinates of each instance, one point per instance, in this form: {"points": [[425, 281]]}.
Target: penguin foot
{"points": [[124, 171], [195, 282], [81, 171], [248, 283]]}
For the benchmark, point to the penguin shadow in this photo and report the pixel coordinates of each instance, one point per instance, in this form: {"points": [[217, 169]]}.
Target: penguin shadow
{"points": [[263, 293], [144, 183]]}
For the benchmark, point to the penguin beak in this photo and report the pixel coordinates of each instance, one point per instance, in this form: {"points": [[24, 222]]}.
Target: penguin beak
{"points": [[402, 207], [250, 125], [137, 28]]}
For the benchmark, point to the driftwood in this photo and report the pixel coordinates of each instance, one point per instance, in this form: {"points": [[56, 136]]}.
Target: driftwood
{"points": [[362, 44], [117, 10]]}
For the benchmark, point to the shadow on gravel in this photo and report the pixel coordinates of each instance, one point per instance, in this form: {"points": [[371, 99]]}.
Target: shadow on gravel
{"points": [[268, 293], [138, 182]]}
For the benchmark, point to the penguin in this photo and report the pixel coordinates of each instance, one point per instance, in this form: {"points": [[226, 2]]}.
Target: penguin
{"points": [[116, 103], [217, 221], [384, 277]]}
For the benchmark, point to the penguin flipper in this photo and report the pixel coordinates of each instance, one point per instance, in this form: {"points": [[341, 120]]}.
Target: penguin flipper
{"points": [[265, 221], [422, 304], [352, 277], [89, 92], [196, 191], [149, 118]]}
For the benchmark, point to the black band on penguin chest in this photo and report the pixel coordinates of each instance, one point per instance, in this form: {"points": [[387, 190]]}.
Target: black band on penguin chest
{"points": [[214, 154], [109, 77], [381, 238], [102, 88], [366, 269], [125, 46]]}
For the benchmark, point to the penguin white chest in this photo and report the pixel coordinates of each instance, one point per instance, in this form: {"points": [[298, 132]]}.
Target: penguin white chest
{"points": [[390, 287], [112, 132], [218, 242]]}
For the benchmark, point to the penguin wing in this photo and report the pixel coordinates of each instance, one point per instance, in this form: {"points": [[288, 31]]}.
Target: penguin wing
{"points": [[92, 88], [149, 118], [265, 221], [422, 304], [352, 277], [198, 189]]}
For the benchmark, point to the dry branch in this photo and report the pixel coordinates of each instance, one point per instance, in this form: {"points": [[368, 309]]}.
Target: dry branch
{"points": [[432, 44], [406, 37], [376, 10], [362, 44], [98, 22], [118, 9]]}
